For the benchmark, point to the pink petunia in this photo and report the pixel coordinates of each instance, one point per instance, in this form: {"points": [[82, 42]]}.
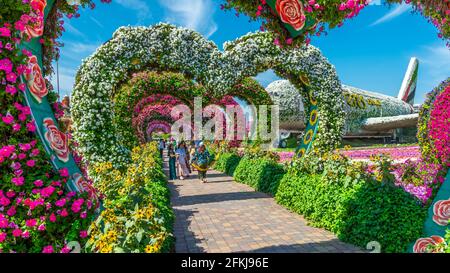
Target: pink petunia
{"points": [[52, 218], [18, 181], [8, 119], [16, 127], [10, 89], [64, 172], [31, 163], [11, 77], [31, 222], [83, 234], [31, 127], [48, 249], [5, 32], [2, 237], [38, 183], [17, 232]]}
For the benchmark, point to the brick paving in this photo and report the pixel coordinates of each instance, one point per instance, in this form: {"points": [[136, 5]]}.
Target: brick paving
{"points": [[222, 216]]}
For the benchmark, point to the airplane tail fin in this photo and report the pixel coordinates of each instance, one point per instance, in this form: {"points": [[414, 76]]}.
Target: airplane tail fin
{"points": [[408, 89]]}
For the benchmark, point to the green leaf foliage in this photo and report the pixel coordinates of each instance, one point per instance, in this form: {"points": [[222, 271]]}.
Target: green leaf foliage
{"points": [[358, 212], [261, 174]]}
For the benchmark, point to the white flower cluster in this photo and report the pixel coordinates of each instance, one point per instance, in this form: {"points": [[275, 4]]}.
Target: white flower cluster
{"points": [[288, 98], [167, 47]]}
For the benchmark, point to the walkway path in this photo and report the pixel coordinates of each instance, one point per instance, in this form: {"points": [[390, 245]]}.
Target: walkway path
{"points": [[224, 216]]}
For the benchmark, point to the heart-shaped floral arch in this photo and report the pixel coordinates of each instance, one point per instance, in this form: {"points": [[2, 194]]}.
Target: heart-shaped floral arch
{"points": [[169, 48]]}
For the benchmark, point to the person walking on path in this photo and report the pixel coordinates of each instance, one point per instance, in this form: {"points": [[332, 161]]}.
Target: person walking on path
{"points": [[200, 161], [161, 147], [172, 162], [181, 153]]}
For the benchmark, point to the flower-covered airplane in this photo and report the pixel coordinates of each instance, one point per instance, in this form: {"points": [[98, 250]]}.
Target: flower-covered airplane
{"points": [[368, 114]]}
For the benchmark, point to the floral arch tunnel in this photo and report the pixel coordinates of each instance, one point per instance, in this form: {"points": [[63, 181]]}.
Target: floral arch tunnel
{"points": [[114, 109]]}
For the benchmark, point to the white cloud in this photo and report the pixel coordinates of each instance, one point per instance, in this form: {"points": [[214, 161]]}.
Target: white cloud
{"points": [[79, 48], [73, 30], [397, 11], [193, 14], [96, 22], [140, 6], [434, 66]]}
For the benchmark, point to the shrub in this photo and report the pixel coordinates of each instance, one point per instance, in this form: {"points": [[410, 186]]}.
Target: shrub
{"points": [[227, 163], [137, 215], [359, 212], [261, 174], [383, 213]]}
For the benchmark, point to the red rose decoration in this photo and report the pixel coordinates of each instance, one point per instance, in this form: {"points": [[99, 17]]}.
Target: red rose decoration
{"points": [[441, 211], [84, 186], [422, 244], [35, 80], [36, 29], [291, 12], [57, 140]]}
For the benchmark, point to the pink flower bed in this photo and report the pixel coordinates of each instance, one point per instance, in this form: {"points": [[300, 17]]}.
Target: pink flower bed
{"points": [[285, 156], [399, 154]]}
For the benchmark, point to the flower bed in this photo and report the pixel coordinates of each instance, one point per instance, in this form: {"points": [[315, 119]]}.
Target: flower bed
{"points": [[39, 210], [337, 194], [399, 154], [137, 217], [37, 213]]}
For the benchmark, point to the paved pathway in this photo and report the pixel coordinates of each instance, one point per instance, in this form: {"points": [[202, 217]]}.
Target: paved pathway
{"points": [[224, 216]]}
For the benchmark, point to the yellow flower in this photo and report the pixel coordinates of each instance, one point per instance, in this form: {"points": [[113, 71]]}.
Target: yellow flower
{"points": [[150, 249]]}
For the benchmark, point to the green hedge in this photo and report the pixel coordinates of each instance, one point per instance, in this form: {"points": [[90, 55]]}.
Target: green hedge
{"points": [[261, 174], [227, 163], [358, 213]]}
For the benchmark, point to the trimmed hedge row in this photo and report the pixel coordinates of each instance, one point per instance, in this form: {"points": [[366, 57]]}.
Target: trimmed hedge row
{"points": [[261, 174], [358, 213], [227, 163]]}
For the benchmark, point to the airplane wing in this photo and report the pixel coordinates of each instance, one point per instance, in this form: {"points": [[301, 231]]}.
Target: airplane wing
{"points": [[388, 123]]}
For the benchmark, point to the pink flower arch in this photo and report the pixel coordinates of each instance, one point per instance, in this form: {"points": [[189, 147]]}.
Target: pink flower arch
{"points": [[156, 125], [439, 126]]}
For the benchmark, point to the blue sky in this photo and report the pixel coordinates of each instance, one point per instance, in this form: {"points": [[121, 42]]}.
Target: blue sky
{"points": [[370, 52]]}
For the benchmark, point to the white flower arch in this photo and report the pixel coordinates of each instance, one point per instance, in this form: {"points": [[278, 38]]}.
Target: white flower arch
{"points": [[167, 47]]}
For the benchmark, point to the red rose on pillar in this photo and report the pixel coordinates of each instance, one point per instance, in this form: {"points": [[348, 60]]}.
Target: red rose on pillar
{"points": [[292, 13], [35, 28], [84, 186], [422, 244], [35, 80], [56, 139], [441, 211]]}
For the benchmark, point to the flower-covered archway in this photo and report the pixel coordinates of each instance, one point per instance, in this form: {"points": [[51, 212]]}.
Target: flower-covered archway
{"points": [[157, 125], [178, 49]]}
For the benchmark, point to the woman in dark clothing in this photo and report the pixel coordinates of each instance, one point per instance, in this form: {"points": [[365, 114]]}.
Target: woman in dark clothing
{"points": [[172, 162]]}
